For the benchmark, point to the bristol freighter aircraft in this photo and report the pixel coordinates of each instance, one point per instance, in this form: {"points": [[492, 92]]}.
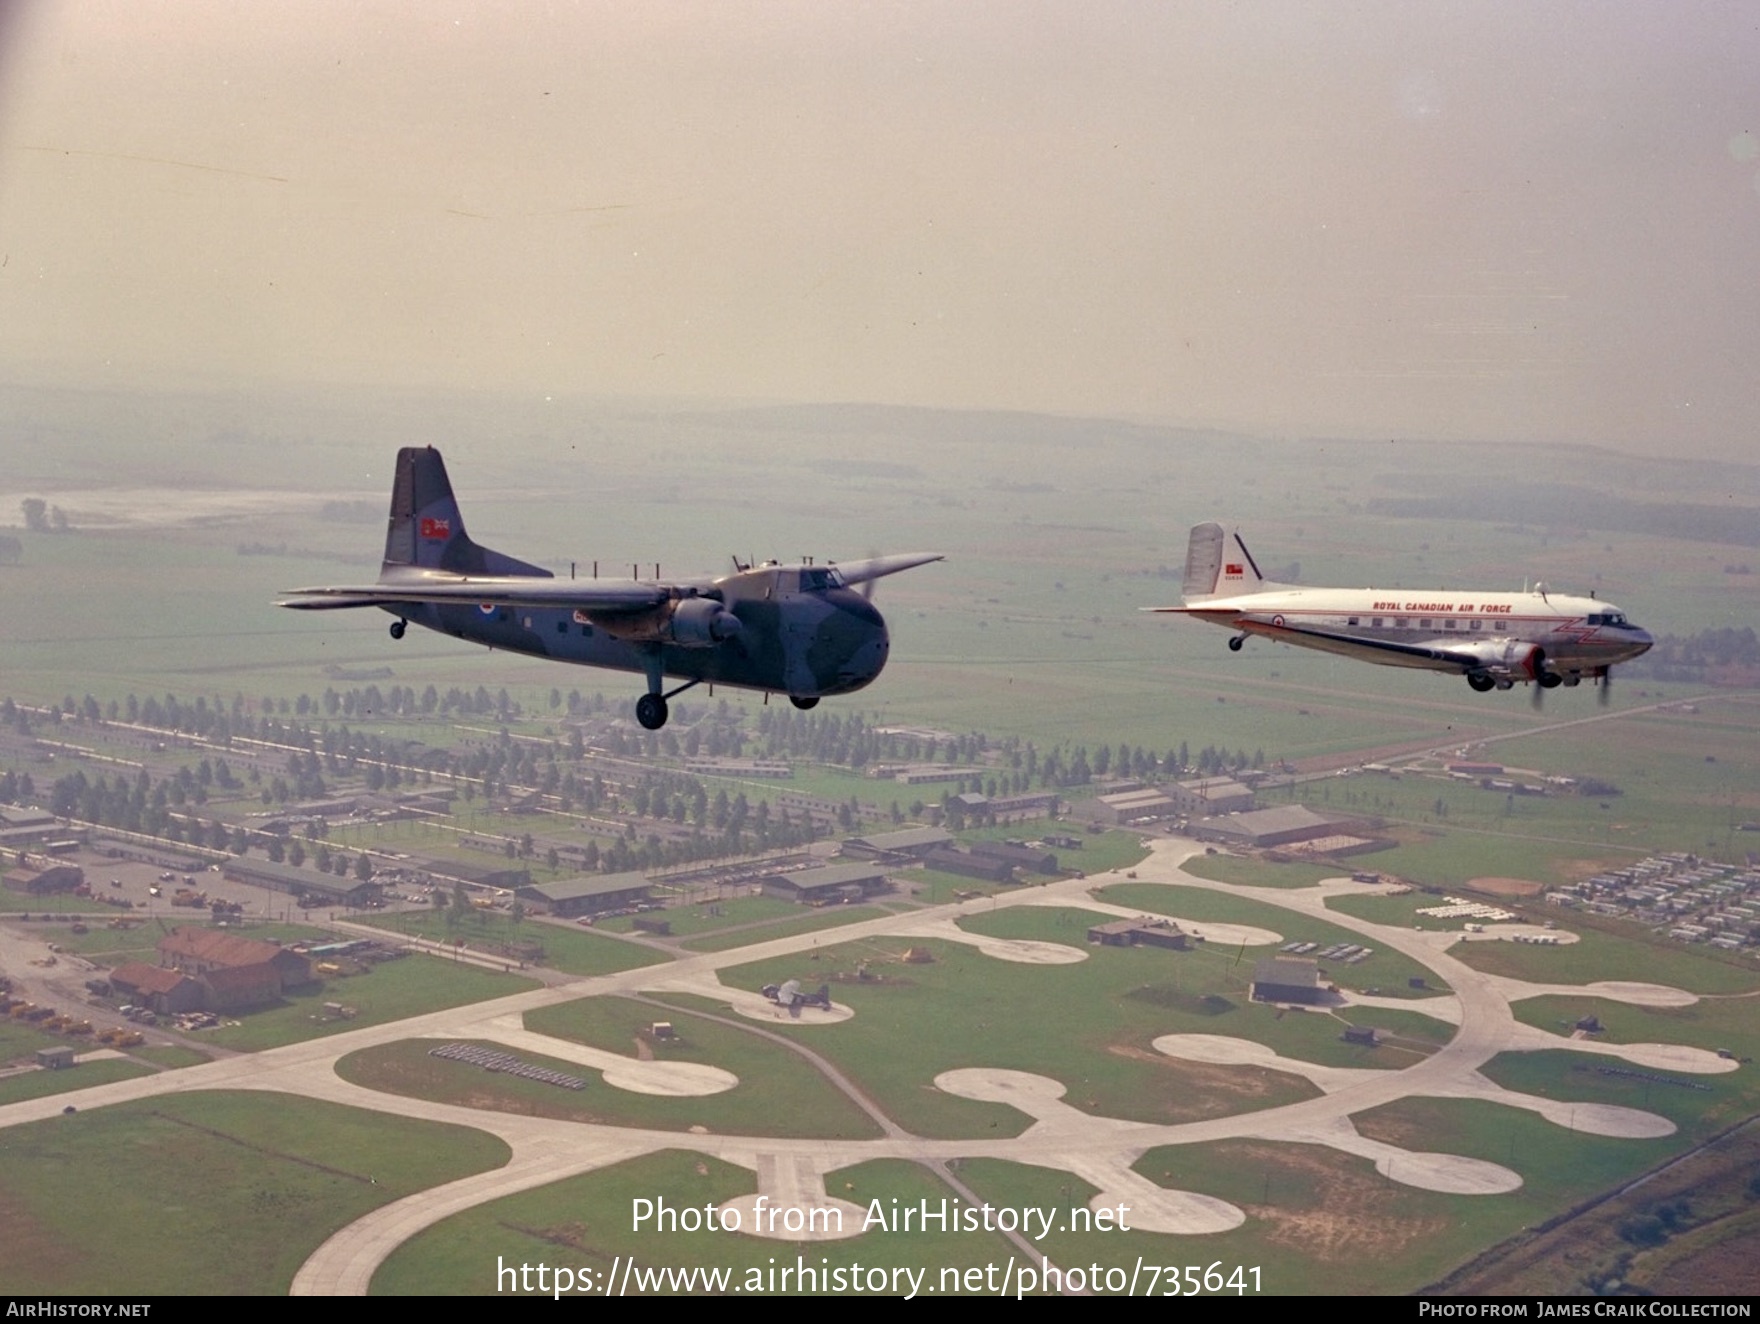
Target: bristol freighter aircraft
{"points": [[800, 630], [1495, 640]]}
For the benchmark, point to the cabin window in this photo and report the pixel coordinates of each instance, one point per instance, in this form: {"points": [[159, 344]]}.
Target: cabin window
{"points": [[1352, 620], [1448, 624], [1400, 622], [1376, 621], [1474, 624], [561, 627], [1500, 625], [1424, 623]]}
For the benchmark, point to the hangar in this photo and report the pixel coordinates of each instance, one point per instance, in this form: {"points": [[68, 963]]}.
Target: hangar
{"points": [[1289, 979]]}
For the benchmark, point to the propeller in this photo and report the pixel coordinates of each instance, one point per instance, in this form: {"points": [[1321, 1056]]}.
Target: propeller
{"points": [[1537, 669], [1602, 696]]}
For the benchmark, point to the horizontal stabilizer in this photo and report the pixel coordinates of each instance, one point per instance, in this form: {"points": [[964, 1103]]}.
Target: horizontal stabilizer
{"points": [[336, 599]]}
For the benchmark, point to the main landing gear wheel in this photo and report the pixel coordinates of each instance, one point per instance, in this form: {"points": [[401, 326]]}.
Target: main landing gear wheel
{"points": [[651, 711], [397, 629], [803, 704], [1550, 680], [1480, 681], [1234, 645]]}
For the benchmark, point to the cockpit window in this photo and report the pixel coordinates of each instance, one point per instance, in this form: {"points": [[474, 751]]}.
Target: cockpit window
{"points": [[816, 579]]}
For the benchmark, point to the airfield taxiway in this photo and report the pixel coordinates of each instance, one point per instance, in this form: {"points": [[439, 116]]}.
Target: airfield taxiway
{"points": [[1100, 1150]]}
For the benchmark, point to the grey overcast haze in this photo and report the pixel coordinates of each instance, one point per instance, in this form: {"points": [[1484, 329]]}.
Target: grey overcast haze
{"points": [[1510, 220]]}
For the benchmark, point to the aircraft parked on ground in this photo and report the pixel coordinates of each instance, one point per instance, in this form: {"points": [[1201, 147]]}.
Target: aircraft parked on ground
{"points": [[799, 630], [788, 995], [1495, 640]]}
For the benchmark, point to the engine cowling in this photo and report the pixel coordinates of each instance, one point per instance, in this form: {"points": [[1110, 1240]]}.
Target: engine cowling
{"points": [[1508, 659], [701, 623], [688, 622]]}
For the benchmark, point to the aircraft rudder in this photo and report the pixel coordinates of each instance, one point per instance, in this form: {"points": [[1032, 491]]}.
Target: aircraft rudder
{"points": [[1218, 564], [1203, 561]]}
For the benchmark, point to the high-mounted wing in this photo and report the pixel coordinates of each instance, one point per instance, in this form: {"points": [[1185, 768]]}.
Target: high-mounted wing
{"points": [[594, 596], [878, 567]]}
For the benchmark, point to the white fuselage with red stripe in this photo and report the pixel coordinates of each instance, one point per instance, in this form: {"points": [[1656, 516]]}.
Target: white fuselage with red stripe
{"points": [[1494, 639]]}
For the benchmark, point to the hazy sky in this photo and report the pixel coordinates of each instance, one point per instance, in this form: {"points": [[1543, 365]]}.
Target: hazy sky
{"points": [[1509, 219]]}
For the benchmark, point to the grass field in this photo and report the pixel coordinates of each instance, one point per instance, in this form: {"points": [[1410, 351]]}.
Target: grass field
{"points": [[766, 1071], [688, 921], [1246, 872], [1601, 955], [812, 921], [389, 992], [36, 1084], [1711, 1024], [571, 950], [1387, 970], [1317, 1221], [913, 1022], [1585, 1078], [220, 1194], [585, 1223]]}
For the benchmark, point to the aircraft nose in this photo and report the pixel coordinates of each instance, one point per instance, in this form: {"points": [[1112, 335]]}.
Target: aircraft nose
{"points": [[867, 661], [865, 644]]}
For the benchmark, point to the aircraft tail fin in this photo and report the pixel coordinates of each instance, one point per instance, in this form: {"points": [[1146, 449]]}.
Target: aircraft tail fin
{"points": [[1218, 564], [426, 530]]}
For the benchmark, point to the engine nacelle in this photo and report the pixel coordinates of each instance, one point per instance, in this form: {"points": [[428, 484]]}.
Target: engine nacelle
{"points": [[1507, 659], [687, 622], [701, 623]]}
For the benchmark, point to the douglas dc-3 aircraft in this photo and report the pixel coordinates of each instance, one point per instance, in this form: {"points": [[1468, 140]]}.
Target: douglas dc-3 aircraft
{"points": [[799, 630], [1493, 639]]}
